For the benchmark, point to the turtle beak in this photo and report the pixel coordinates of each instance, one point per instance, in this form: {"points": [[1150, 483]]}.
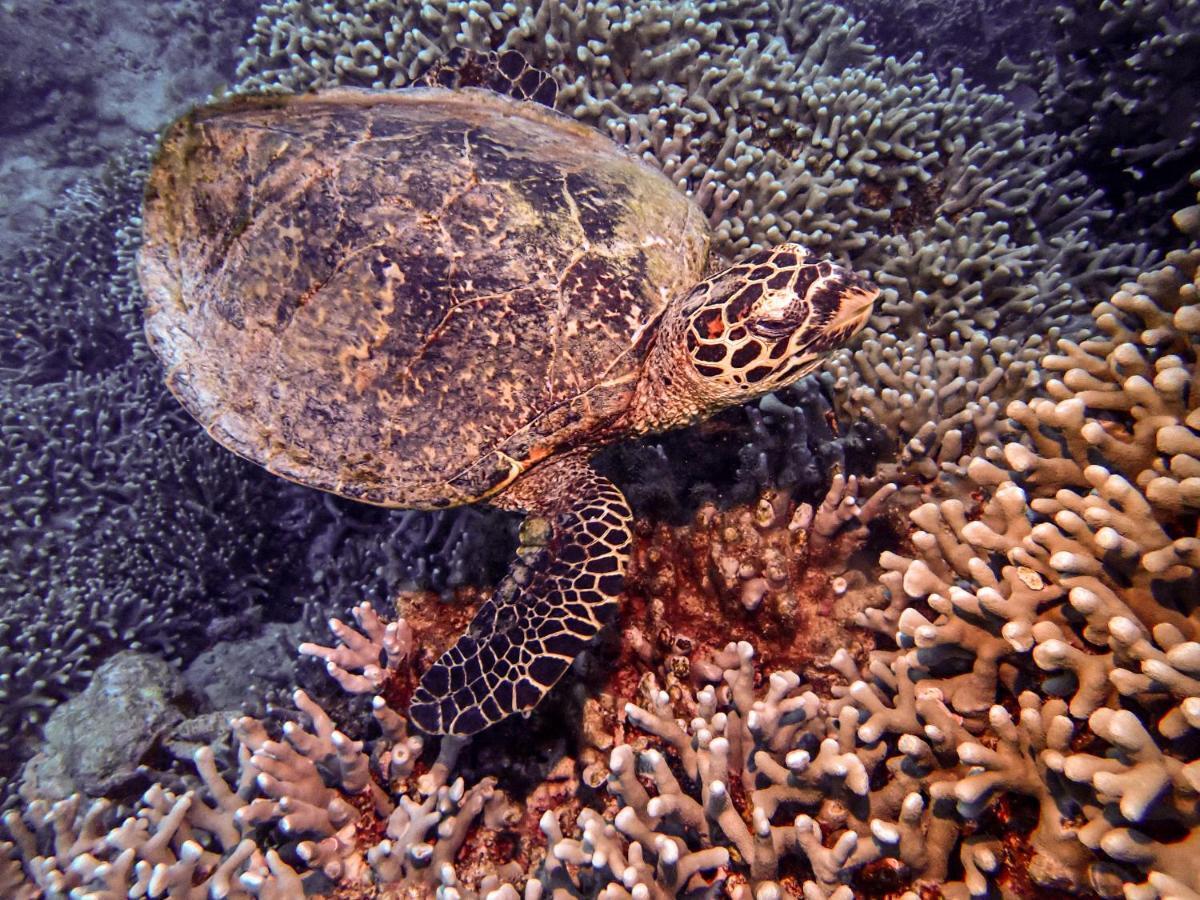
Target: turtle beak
{"points": [[857, 301]]}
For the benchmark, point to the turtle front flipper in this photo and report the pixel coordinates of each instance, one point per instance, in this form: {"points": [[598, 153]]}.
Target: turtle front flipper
{"points": [[558, 594]]}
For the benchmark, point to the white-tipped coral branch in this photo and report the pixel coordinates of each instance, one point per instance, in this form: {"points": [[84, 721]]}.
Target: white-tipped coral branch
{"points": [[342, 806]]}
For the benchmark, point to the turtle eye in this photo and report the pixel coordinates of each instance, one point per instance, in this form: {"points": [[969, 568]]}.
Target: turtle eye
{"points": [[771, 329], [778, 323]]}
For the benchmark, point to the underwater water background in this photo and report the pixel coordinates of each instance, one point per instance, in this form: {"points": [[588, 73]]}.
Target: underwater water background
{"points": [[923, 624]]}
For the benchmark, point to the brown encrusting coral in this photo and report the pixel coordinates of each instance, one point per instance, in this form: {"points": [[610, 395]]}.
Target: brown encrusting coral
{"points": [[779, 573]]}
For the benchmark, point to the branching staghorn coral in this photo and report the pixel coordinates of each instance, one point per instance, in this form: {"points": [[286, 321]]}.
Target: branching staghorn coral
{"points": [[739, 784], [783, 125], [312, 809], [940, 394], [1129, 396], [1037, 721], [1080, 576]]}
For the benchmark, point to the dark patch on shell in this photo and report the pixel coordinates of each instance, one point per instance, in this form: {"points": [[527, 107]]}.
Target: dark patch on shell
{"points": [[595, 209]]}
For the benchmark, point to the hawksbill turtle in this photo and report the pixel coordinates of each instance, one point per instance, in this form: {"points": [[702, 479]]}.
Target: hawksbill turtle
{"points": [[431, 297]]}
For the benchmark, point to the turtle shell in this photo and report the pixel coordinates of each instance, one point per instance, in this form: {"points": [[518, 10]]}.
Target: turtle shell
{"points": [[405, 297]]}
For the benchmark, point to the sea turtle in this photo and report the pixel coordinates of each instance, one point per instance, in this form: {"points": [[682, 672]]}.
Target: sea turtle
{"points": [[431, 297]]}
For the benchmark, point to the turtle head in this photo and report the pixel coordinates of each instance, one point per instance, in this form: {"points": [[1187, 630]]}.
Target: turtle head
{"points": [[751, 329]]}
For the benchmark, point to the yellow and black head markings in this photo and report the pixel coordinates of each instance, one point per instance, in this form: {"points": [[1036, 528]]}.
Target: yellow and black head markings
{"points": [[761, 323], [748, 330], [431, 297]]}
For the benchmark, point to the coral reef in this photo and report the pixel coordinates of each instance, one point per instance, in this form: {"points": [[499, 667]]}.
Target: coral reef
{"points": [[743, 780], [397, 820], [1015, 707], [1032, 730], [1120, 84], [293, 815], [928, 183], [1077, 578], [92, 560]]}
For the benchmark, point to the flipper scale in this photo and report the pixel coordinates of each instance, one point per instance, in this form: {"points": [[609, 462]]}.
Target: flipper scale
{"points": [[559, 593]]}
